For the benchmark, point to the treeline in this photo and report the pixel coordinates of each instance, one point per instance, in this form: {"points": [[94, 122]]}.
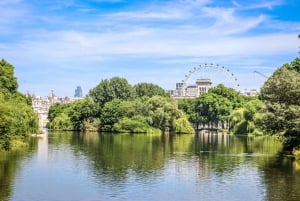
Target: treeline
{"points": [[17, 118], [224, 109], [275, 111], [116, 106]]}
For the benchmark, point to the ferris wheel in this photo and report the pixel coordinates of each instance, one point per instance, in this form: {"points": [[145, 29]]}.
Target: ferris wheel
{"points": [[230, 76]]}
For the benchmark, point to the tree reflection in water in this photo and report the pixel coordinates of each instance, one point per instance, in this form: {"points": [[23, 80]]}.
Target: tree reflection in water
{"points": [[215, 166], [10, 162]]}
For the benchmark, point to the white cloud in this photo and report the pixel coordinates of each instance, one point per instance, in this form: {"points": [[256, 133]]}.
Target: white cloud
{"points": [[226, 22], [169, 10], [156, 43], [167, 15], [287, 26], [216, 20], [195, 2], [236, 4], [9, 14], [268, 4], [9, 2], [176, 35], [109, 1]]}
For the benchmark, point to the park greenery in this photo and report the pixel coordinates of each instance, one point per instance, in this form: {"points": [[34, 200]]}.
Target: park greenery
{"points": [[276, 111], [116, 106], [17, 118], [224, 109], [281, 94]]}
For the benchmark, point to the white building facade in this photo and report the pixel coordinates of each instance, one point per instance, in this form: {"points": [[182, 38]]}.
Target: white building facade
{"points": [[191, 91], [41, 106]]}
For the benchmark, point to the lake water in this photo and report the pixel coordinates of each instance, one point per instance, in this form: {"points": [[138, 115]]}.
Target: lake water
{"points": [[66, 166]]}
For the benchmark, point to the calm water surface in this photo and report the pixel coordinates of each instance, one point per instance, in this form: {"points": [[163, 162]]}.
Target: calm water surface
{"points": [[71, 166]]}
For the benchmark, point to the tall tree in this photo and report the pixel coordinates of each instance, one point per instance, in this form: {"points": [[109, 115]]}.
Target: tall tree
{"points": [[282, 87], [17, 118], [82, 111], [232, 95], [56, 109], [188, 105], [281, 93], [112, 112], [165, 115], [247, 119], [213, 108], [108, 90], [295, 65], [8, 82], [149, 89]]}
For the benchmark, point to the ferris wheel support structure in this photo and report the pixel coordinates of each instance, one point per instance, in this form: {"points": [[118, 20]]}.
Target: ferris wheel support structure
{"points": [[201, 67]]}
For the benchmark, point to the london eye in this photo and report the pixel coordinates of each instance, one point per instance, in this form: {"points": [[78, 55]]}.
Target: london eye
{"points": [[225, 71]]}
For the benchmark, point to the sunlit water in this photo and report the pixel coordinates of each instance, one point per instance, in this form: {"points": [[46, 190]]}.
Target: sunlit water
{"points": [[71, 166]]}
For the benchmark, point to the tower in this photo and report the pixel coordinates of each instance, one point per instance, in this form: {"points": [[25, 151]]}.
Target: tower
{"points": [[78, 92]]}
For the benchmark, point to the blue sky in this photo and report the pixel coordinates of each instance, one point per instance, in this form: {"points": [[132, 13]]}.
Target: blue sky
{"points": [[60, 44]]}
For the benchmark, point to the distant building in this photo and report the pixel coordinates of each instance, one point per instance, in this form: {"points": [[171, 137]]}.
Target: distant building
{"points": [[203, 85], [251, 92], [78, 92], [41, 106], [191, 91]]}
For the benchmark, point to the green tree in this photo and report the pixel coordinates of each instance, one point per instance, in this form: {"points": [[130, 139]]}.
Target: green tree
{"points": [[62, 122], [282, 87], [232, 95], [182, 125], [295, 65], [188, 105], [17, 118], [213, 109], [57, 109], [108, 90], [82, 113], [79, 115], [8, 82], [247, 119], [162, 113], [136, 124], [281, 93], [118, 110], [149, 89], [112, 112]]}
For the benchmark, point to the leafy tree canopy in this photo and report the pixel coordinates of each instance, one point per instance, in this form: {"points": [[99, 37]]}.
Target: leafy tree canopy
{"points": [[282, 87], [149, 89], [112, 112], [108, 90], [8, 82], [295, 65], [232, 95], [213, 107], [122, 108], [17, 118], [281, 93], [81, 111]]}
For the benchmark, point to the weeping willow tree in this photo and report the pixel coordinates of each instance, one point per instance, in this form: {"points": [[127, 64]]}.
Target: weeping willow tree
{"points": [[247, 119]]}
